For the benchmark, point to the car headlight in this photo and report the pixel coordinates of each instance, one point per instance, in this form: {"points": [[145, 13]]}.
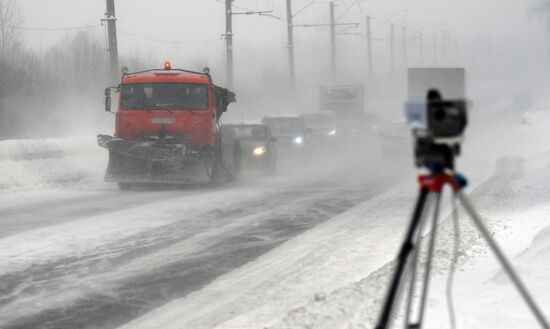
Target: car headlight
{"points": [[332, 132], [259, 151], [298, 140]]}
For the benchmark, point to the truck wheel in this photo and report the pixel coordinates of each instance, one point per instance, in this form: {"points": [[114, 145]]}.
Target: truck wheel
{"points": [[216, 178], [124, 186]]}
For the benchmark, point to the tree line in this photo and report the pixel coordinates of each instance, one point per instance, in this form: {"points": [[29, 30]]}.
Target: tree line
{"points": [[40, 90]]}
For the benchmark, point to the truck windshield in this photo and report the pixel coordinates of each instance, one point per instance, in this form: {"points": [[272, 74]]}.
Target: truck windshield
{"points": [[158, 96]]}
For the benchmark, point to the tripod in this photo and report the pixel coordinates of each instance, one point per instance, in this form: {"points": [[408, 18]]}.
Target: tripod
{"points": [[431, 187]]}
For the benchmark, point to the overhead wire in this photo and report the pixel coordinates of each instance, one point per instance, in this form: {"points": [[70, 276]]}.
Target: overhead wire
{"points": [[304, 8], [174, 42], [248, 11], [346, 11], [236, 6], [72, 28]]}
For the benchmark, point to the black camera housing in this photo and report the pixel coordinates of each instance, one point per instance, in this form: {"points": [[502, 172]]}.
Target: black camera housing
{"points": [[437, 146], [447, 118]]}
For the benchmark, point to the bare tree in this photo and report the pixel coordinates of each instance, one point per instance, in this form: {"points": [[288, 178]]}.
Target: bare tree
{"points": [[10, 19]]}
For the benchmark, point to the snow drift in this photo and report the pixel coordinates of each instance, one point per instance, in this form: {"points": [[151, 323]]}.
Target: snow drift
{"points": [[28, 164], [335, 275]]}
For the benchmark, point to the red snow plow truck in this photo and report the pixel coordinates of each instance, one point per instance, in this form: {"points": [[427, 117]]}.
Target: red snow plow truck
{"points": [[167, 130]]}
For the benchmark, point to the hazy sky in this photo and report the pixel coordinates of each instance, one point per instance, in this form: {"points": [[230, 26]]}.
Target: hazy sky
{"points": [[260, 41], [197, 20]]}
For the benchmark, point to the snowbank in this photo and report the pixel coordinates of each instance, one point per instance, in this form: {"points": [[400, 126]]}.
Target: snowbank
{"points": [[335, 275], [514, 204], [29, 164]]}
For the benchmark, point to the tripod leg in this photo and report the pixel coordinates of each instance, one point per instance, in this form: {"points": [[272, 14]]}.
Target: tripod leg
{"points": [[406, 248], [428, 265], [504, 261], [454, 262], [413, 267]]}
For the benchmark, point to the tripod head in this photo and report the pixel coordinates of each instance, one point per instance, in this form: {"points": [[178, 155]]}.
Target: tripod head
{"points": [[438, 128]]}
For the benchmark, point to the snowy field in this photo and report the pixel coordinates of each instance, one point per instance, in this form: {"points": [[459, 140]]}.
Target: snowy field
{"points": [[79, 253], [334, 275], [309, 250]]}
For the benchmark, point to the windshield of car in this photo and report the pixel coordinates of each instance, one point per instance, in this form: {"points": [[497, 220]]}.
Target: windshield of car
{"points": [[284, 126], [253, 133], [318, 120], [173, 96]]}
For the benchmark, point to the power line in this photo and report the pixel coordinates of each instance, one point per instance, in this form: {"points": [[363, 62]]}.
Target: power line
{"points": [[26, 28], [248, 11], [236, 6], [167, 41], [346, 11], [388, 19], [304, 8]]}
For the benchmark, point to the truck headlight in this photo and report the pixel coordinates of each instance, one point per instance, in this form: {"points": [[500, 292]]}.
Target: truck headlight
{"points": [[332, 132], [259, 151], [298, 140]]}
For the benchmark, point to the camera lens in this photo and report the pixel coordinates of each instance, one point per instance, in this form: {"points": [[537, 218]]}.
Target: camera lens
{"points": [[439, 114]]}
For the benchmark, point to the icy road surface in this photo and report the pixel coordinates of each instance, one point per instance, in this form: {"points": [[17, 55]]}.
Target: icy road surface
{"points": [[90, 256]]}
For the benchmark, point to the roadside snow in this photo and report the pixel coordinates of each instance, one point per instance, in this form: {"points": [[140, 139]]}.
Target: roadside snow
{"points": [[514, 204], [49, 163], [335, 275]]}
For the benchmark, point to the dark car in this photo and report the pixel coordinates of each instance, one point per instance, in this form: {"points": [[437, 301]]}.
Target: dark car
{"points": [[293, 137], [258, 146], [323, 127]]}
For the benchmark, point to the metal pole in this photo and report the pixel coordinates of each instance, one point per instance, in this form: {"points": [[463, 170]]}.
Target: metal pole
{"points": [[420, 48], [369, 47], [503, 261], [332, 40], [435, 48], [392, 50], [290, 30], [229, 43], [404, 35], [113, 46]]}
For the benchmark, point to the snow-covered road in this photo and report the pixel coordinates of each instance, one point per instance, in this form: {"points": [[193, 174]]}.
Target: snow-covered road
{"points": [[87, 255], [306, 249]]}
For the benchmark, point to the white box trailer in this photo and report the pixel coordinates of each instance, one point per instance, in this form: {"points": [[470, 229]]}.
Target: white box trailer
{"points": [[346, 101]]}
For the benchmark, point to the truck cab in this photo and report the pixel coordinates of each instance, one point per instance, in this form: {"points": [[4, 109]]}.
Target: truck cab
{"points": [[167, 129], [169, 103]]}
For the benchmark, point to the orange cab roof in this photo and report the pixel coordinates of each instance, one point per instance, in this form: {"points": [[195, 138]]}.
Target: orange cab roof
{"points": [[166, 76]]}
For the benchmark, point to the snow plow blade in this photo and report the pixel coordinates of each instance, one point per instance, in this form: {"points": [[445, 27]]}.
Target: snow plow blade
{"points": [[158, 160]]}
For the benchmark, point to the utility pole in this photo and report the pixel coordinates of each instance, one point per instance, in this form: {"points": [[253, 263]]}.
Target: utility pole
{"points": [[420, 48], [435, 48], [392, 48], [404, 36], [369, 47], [229, 43], [332, 41], [113, 46], [230, 66], [290, 27], [332, 24]]}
